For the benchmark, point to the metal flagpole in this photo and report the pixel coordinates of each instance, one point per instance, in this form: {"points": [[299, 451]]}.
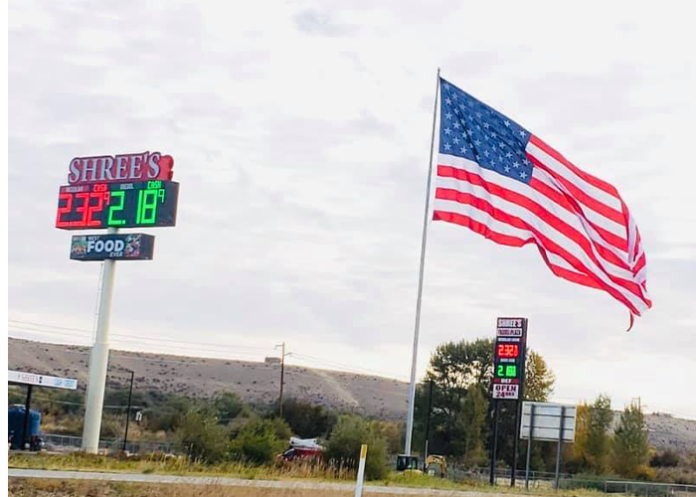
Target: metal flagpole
{"points": [[99, 360], [412, 386]]}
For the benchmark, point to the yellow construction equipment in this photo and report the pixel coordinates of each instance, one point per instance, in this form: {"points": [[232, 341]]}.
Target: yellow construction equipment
{"points": [[436, 466]]}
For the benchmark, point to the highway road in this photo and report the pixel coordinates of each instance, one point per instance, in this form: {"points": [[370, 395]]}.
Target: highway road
{"points": [[206, 480]]}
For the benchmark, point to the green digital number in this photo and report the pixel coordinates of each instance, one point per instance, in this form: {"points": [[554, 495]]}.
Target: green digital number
{"points": [[115, 208], [506, 371], [148, 201]]}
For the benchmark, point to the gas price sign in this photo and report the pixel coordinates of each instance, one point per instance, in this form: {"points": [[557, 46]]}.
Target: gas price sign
{"points": [[117, 205], [509, 358]]}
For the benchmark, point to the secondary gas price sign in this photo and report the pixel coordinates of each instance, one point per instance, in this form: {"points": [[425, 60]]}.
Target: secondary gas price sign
{"points": [[509, 358]]}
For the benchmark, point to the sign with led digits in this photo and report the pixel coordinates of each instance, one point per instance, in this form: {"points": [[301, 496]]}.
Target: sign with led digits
{"points": [[130, 247], [509, 358], [117, 205]]}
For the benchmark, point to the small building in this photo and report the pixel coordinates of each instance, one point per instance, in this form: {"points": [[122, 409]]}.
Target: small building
{"points": [[272, 360]]}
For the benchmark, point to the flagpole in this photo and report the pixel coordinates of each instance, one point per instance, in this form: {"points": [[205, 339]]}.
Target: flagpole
{"points": [[416, 331]]}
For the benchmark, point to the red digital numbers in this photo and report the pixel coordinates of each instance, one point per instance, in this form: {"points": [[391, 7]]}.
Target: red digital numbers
{"points": [[510, 350], [66, 209], [86, 204]]}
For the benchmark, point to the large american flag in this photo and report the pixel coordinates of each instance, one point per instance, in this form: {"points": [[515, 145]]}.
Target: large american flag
{"points": [[499, 180]]}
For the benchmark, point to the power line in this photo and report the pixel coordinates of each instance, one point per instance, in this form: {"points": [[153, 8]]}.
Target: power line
{"points": [[155, 339], [347, 367], [130, 339]]}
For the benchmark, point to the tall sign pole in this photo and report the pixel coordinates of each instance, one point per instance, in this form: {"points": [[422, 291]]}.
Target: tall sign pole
{"points": [[113, 192], [99, 360]]}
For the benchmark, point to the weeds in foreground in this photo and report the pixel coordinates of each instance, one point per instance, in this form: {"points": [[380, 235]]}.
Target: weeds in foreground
{"points": [[158, 464]]}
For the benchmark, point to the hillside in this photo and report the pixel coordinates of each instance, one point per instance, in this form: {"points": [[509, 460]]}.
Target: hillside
{"points": [[258, 383], [255, 382]]}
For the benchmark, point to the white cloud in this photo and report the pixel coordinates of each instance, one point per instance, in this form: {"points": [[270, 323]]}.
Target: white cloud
{"points": [[301, 137]]}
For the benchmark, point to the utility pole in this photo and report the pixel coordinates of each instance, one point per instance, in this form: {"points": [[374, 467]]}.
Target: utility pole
{"points": [[130, 396], [282, 377]]}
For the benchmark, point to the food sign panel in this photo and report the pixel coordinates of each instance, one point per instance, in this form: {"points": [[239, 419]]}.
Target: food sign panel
{"points": [[130, 247]]}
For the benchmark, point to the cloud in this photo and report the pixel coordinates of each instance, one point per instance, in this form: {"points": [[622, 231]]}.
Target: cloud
{"points": [[301, 139]]}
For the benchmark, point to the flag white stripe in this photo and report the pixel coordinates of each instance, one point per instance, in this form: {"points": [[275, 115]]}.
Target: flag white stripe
{"points": [[504, 229], [561, 213], [594, 217], [563, 171], [562, 241]]}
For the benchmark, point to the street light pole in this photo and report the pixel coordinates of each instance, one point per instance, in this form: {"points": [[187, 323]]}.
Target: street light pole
{"points": [[130, 396]]}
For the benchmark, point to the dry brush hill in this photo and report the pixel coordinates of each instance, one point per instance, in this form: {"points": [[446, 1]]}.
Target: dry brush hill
{"points": [[255, 382], [258, 383]]}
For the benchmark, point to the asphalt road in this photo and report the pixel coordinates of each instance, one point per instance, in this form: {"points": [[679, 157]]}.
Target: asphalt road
{"points": [[238, 482]]}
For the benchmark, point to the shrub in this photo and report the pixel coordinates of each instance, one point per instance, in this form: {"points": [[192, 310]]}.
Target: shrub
{"points": [[228, 406], [256, 442], [665, 459], [204, 439], [644, 472], [343, 448], [308, 420]]}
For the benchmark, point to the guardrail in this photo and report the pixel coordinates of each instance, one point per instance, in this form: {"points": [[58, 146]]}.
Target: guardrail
{"points": [[542, 479], [69, 443]]}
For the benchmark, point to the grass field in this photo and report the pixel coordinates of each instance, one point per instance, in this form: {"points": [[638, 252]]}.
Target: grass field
{"points": [[182, 467]]}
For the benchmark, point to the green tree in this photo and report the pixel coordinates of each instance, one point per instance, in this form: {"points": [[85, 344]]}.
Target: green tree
{"points": [[538, 378], [343, 447], [473, 418], [204, 439], [455, 368], [631, 443], [592, 447], [258, 441], [228, 406], [308, 420]]}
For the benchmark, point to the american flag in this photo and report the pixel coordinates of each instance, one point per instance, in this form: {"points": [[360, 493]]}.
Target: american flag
{"points": [[499, 180]]}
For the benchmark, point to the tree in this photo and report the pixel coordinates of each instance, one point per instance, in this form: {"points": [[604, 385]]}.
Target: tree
{"points": [[538, 378], [473, 418], [454, 369], [631, 443], [343, 447], [592, 446], [308, 420], [258, 441], [204, 439], [228, 406]]}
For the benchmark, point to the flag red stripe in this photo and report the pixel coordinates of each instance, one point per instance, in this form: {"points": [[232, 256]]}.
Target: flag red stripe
{"points": [[571, 205], [539, 210], [480, 228], [583, 197], [594, 181], [546, 242], [499, 238]]}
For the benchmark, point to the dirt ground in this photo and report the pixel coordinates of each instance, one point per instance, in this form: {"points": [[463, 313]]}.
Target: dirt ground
{"points": [[21, 487]]}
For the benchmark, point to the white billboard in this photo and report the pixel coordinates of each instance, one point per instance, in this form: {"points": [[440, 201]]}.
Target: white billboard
{"points": [[547, 421]]}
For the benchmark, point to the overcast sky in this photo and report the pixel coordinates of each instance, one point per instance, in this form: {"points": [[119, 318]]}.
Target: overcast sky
{"points": [[300, 133]]}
